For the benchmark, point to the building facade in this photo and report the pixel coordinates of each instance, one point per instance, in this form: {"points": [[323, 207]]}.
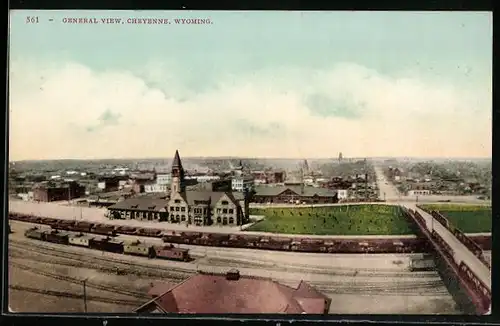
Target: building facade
{"points": [[198, 207], [294, 194], [242, 183], [65, 191]]}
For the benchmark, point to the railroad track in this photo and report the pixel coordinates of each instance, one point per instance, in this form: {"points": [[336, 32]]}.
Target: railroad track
{"points": [[110, 265], [430, 288], [76, 296], [74, 280], [101, 263]]}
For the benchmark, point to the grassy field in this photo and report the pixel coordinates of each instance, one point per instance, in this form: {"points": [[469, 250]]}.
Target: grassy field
{"points": [[467, 218], [333, 220]]}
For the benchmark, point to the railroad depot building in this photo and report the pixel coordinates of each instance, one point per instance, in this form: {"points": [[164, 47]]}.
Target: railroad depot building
{"points": [[232, 293], [47, 192], [294, 194], [198, 207]]}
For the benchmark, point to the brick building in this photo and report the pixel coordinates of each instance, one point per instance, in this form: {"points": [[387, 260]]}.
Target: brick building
{"points": [[199, 207], [51, 192]]}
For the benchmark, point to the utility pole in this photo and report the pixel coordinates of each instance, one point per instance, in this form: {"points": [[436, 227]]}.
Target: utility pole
{"points": [[85, 295]]}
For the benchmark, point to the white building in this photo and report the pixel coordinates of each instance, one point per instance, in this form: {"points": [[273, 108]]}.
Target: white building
{"points": [[242, 183], [419, 192], [163, 179], [205, 178], [342, 194], [155, 187]]}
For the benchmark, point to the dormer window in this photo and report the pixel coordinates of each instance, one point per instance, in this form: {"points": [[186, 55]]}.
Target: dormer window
{"points": [[134, 206], [224, 202], [177, 201]]}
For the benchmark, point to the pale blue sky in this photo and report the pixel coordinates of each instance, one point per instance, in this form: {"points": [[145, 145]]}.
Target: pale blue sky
{"points": [[452, 50]]}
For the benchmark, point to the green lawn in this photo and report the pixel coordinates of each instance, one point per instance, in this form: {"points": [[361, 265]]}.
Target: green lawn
{"points": [[467, 218], [333, 220]]}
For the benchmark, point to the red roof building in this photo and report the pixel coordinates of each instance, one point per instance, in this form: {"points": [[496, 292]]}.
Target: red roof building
{"points": [[235, 294]]}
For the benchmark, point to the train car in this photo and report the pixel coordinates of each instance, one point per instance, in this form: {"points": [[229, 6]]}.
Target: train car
{"points": [[56, 236], [172, 237], [234, 241], [66, 225], [204, 240], [80, 240], [35, 233], [130, 230], [106, 244], [189, 237], [138, 248], [104, 229], [295, 244], [83, 226], [310, 245], [274, 243], [52, 222], [250, 241], [172, 253], [34, 219], [147, 232]]}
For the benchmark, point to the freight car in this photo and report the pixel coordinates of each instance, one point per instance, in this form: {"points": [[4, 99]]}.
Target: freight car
{"points": [[172, 237], [106, 244], [274, 243], [104, 229], [146, 232], [172, 253], [66, 225], [126, 230], [310, 245], [52, 222], [189, 237], [137, 248], [80, 240], [56, 236], [83, 227]]}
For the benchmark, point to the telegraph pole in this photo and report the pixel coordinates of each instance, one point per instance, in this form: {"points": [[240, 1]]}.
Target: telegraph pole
{"points": [[85, 295]]}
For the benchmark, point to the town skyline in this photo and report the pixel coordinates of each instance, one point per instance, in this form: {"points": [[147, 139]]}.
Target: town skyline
{"points": [[399, 85]]}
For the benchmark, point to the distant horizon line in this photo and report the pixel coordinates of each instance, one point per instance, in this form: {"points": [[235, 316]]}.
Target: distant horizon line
{"points": [[259, 158]]}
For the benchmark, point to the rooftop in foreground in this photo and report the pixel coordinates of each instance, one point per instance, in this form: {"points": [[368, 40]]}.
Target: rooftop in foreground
{"points": [[232, 293]]}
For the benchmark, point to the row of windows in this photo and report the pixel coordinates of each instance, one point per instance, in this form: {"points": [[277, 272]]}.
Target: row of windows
{"points": [[225, 211], [184, 218]]}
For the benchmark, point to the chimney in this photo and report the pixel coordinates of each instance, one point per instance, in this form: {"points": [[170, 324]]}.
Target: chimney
{"points": [[233, 275]]}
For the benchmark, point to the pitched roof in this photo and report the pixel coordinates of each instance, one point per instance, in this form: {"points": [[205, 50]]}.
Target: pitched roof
{"points": [[307, 191], [210, 293], [177, 161], [141, 204], [204, 196]]}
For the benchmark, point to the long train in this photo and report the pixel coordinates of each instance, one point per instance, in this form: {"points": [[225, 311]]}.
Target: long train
{"points": [[106, 243], [295, 243]]}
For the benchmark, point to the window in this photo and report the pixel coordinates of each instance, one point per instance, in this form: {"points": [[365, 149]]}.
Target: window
{"points": [[231, 220], [231, 211], [218, 210], [177, 209], [177, 201], [183, 218], [218, 219], [224, 202], [224, 211], [172, 208], [183, 209]]}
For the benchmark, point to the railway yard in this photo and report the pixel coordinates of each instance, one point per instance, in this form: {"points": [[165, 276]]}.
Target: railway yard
{"points": [[47, 277]]}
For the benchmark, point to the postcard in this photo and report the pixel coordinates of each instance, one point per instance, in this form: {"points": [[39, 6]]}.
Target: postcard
{"points": [[197, 162]]}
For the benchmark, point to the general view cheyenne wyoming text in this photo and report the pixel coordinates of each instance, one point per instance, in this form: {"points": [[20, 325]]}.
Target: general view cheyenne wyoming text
{"points": [[250, 162]]}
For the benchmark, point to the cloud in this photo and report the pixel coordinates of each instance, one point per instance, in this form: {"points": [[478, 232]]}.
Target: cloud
{"points": [[285, 112]]}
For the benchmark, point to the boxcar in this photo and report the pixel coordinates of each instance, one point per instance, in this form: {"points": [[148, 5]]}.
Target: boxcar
{"points": [[56, 236], [106, 244], [80, 240], [130, 230], [53, 222], [34, 233], [104, 229], [172, 253], [137, 248]]}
